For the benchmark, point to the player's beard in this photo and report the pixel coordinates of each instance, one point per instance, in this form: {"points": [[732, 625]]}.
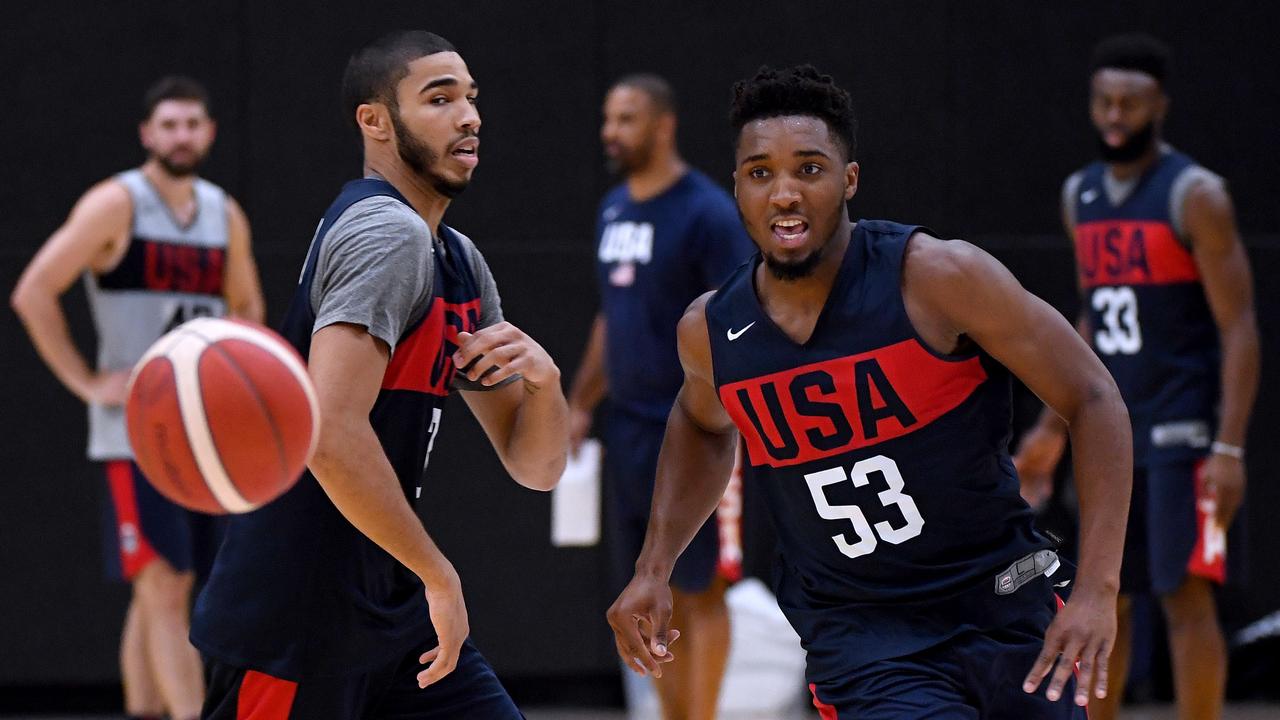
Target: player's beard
{"points": [[1133, 148], [181, 169], [423, 160], [630, 160], [793, 270]]}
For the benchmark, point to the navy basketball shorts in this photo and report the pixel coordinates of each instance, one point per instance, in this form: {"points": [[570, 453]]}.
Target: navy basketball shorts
{"points": [[1171, 533], [471, 691], [141, 525], [972, 676], [630, 466]]}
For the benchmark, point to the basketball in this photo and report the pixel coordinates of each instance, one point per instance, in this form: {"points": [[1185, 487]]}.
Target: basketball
{"points": [[221, 415]]}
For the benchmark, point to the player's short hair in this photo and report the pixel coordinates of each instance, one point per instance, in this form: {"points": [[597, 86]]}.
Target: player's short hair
{"points": [[654, 86], [797, 90], [374, 70], [1133, 51], [173, 87]]}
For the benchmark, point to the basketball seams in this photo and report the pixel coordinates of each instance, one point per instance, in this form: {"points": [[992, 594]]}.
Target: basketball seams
{"points": [[213, 330], [248, 384], [185, 356]]}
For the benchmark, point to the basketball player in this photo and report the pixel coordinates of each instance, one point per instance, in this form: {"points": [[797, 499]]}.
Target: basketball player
{"points": [[867, 367], [665, 235], [327, 602], [157, 245], [1168, 306]]}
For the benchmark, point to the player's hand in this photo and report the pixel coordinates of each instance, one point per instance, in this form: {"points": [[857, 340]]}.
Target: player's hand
{"points": [[1084, 632], [641, 618], [500, 351], [449, 617], [579, 427], [1224, 479], [1036, 459], [108, 388]]}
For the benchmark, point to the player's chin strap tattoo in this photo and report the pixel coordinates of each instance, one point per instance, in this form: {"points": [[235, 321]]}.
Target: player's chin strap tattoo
{"points": [[1028, 568]]}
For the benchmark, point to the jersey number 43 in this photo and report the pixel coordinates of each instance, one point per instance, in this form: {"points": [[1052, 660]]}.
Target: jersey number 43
{"points": [[867, 535]]}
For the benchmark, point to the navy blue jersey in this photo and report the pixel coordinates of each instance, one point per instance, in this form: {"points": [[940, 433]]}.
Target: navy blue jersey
{"points": [[886, 464], [1149, 320], [653, 259], [296, 589]]}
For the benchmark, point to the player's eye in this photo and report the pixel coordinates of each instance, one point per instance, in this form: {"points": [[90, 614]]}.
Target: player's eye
{"points": [[810, 169], [439, 100], [758, 172], [472, 99]]}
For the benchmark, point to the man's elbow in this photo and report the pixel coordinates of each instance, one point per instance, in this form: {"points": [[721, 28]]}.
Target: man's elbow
{"points": [[1102, 397], [542, 477], [21, 299]]}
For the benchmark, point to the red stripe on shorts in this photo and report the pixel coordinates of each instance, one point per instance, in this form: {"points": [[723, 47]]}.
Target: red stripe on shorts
{"points": [[825, 711], [263, 697], [729, 525], [1209, 557], [135, 552]]}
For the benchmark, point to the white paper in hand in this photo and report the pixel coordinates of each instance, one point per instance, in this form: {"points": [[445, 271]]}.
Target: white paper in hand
{"points": [[575, 502]]}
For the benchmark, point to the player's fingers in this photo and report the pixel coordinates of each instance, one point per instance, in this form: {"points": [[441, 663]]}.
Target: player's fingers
{"points": [[627, 659], [661, 618], [471, 345], [1103, 660], [491, 361], [443, 664], [504, 371], [429, 655], [1044, 662], [1085, 670], [1062, 673], [634, 645]]}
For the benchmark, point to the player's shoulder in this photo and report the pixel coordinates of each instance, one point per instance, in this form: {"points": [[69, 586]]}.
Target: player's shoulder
{"points": [[691, 331], [475, 257], [383, 218], [933, 262], [106, 202]]}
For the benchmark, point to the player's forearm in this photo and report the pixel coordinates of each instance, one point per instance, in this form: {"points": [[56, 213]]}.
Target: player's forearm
{"points": [[1102, 456], [539, 443], [590, 384], [693, 471], [45, 323], [353, 470], [1241, 361]]}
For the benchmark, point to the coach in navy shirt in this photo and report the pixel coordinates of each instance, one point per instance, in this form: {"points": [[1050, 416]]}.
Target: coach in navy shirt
{"points": [[665, 235]]}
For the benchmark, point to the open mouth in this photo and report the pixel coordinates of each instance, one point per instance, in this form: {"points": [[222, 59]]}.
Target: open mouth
{"points": [[466, 151], [790, 232]]}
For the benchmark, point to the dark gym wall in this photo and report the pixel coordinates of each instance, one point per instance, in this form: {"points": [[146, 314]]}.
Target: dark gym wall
{"points": [[971, 114]]}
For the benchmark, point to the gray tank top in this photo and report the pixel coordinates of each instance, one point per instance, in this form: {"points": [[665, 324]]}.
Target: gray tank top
{"points": [[169, 274]]}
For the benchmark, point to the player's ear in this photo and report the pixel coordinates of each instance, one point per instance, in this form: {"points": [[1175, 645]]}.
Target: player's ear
{"points": [[374, 121], [850, 180]]}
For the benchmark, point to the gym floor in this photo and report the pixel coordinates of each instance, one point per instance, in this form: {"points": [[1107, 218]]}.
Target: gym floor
{"points": [[1144, 712]]}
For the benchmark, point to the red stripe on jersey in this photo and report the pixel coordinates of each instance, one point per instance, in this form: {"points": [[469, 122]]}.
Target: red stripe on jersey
{"points": [[423, 361], [263, 697], [831, 407], [1131, 252], [825, 711], [182, 268], [1209, 557], [135, 551]]}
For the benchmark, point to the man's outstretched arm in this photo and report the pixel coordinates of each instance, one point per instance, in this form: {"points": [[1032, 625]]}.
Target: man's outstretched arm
{"points": [[693, 470], [954, 291]]}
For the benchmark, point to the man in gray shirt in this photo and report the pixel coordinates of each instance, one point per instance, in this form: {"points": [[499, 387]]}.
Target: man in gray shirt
{"points": [[326, 603]]}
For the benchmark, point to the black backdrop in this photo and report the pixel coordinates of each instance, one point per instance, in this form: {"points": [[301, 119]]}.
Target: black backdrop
{"points": [[971, 114]]}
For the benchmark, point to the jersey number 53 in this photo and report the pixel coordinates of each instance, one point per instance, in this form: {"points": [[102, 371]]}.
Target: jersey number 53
{"points": [[867, 535]]}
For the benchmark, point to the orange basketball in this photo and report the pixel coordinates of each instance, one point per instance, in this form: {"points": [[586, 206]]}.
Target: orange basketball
{"points": [[222, 416]]}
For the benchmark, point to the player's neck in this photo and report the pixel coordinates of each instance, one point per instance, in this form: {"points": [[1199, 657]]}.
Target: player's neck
{"points": [[657, 177], [176, 192], [808, 292], [423, 198], [1130, 170]]}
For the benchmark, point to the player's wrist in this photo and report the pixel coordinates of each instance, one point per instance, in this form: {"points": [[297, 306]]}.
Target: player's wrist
{"points": [[1226, 449]]}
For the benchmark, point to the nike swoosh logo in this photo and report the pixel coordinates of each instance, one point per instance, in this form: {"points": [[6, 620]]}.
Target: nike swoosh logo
{"points": [[735, 335], [1089, 196]]}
